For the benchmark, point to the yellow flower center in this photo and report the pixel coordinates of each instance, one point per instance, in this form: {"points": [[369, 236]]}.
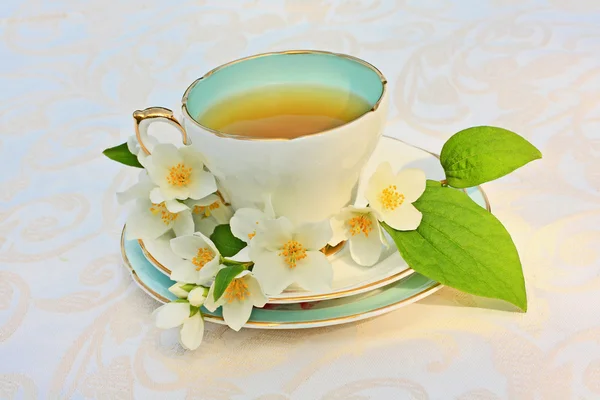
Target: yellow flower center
{"points": [[237, 290], [390, 198], [251, 235], [179, 175], [166, 216], [206, 210], [202, 258], [360, 223], [292, 252]]}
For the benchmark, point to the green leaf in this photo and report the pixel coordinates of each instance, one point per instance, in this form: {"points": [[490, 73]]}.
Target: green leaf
{"points": [[227, 244], [224, 278], [188, 287], [194, 310], [484, 153], [122, 154], [461, 245]]}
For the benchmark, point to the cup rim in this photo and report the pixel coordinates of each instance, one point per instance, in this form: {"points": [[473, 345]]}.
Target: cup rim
{"points": [[241, 137]]}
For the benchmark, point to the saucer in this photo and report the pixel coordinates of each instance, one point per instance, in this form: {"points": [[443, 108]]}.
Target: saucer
{"points": [[349, 278], [290, 316]]}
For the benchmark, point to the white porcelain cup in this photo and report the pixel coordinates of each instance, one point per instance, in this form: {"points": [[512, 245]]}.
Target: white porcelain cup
{"points": [[309, 178]]}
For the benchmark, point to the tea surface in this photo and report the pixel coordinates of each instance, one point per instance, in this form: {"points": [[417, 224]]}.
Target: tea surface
{"points": [[284, 111]]}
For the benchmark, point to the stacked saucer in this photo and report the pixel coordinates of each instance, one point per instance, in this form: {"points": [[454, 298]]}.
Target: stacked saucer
{"points": [[357, 292]]}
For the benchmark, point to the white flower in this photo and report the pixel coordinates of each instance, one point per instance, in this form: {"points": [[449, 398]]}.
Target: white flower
{"points": [[360, 227], [237, 301], [208, 213], [391, 196], [134, 147], [247, 222], [181, 313], [148, 221], [200, 259], [178, 173], [283, 255]]}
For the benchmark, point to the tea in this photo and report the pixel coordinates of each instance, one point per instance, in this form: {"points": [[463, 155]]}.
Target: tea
{"points": [[284, 111]]}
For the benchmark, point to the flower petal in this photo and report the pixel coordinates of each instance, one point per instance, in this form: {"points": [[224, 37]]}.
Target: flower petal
{"points": [[411, 183], [142, 224], [184, 271], [222, 214], [202, 183], [175, 206], [192, 332], [245, 222], [156, 196], [382, 177], [157, 174], [209, 302], [366, 250], [314, 236], [166, 155], [171, 192], [237, 313], [206, 226], [203, 202], [133, 145], [187, 246], [242, 255], [184, 224], [338, 229], [257, 295], [192, 157], [209, 243], [338, 223], [139, 190], [314, 273], [275, 233], [209, 271], [404, 218], [142, 157], [272, 273], [171, 315]]}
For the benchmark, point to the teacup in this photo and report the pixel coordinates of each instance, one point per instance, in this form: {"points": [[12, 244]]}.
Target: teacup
{"points": [[309, 178]]}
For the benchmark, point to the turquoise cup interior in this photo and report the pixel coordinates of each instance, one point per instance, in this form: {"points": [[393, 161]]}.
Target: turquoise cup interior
{"points": [[337, 71]]}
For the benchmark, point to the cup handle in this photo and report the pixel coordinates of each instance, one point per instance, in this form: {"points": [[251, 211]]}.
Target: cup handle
{"points": [[143, 119]]}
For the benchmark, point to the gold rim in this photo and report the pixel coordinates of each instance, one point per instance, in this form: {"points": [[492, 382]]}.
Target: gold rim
{"points": [[328, 321], [288, 52], [135, 276], [151, 258], [343, 293]]}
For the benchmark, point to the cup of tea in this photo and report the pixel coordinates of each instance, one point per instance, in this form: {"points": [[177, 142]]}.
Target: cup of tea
{"points": [[296, 125]]}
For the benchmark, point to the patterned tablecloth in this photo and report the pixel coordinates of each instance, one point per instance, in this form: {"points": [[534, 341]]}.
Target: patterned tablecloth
{"points": [[72, 323]]}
